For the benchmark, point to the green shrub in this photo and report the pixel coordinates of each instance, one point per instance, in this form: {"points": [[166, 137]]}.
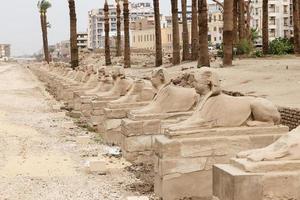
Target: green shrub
{"points": [[258, 53], [244, 47], [280, 46]]}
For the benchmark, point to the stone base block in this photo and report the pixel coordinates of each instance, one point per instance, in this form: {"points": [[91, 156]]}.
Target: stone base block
{"points": [[183, 166], [233, 183]]}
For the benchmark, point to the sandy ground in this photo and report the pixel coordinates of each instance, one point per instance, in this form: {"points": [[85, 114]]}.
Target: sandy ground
{"points": [[39, 156], [277, 78]]}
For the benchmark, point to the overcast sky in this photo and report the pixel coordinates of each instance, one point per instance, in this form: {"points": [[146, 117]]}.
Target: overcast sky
{"points": [[20, 22]]}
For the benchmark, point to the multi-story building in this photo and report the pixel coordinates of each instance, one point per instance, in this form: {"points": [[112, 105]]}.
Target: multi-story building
{"points": [[280, 18], [4, 50], [96, 21], [82, 40]]}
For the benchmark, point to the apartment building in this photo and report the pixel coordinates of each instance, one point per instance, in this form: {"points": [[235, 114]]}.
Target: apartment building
{"points": [[82, 40], [280, 18], [96, 21], [4, 50]]}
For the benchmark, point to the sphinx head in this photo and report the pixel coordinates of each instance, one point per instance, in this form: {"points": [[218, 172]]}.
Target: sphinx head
{"points": [[206, 81], [118, 72], [159, 77]]}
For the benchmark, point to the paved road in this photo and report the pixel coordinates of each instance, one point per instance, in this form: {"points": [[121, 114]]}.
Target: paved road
{"points": [[39, 158]]}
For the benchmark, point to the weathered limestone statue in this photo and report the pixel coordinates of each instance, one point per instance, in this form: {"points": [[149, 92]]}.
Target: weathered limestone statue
{"points": [[105, 82], [141, 91], [285, 148], [122, 84], [169, 98], [216, 109]]}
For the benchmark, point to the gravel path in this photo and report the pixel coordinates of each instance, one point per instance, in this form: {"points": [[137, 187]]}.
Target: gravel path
{"points": [[39, 156]]}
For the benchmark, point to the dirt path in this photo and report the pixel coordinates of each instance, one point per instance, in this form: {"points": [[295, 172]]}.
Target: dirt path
{"points": [[39, 158]]}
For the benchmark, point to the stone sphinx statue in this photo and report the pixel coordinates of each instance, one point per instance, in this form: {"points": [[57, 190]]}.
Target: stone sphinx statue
{"points": [[285, 148], [169, 98], [141, 91], [122, 84], [216, 109]]}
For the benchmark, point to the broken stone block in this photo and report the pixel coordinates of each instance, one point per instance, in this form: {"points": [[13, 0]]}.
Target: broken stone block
{"points": [[96, 166], [83, 140], [68, 125]]}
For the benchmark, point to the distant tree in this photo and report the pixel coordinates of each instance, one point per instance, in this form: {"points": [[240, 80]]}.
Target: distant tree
{"points": [[175, 33], [73, 34], [185, 32], [126, 35], [195, 35], [43, 6], [118, 41], [203, 34], [107, 40], [158, 45]]}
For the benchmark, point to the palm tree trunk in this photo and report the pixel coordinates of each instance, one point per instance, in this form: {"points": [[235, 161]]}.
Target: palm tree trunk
{"points": [[195, 35], [126, 35], [296, 26], [73, 34], [175, 33], [241, 26], [228, 32], [265, 29], [44, 34], [203, 34], [235, 22], [248, 26], [118, 45], [107, 41], [158, 45], [185, 33]]}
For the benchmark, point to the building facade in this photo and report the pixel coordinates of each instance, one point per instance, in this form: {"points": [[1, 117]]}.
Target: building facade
{"points": [[82, 40], [4, 50], [280, 18], [96, 21]]}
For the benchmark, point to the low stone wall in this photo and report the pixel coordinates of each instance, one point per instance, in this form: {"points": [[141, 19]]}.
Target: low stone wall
{"points": [[289, 116]]}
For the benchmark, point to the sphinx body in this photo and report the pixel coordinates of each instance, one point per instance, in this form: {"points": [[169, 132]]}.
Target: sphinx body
{"points": [[285, 148], [169, 98], [216, 109]]}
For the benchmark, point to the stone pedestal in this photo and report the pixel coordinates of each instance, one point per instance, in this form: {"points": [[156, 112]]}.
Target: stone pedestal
{"points": [[184, 160], [113, 115], [266, 180], [140, 131]]}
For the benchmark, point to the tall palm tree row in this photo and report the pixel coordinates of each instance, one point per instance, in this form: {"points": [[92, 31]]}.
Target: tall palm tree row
{"points": [[175, 33], [265, 27], [118, 41], [43, 6], [185, 32], [296, 26], [106, 30], [158, 43], [203, 34], [195, 35], [228, 32], [73, 34], [127, 63], [241, 25]]}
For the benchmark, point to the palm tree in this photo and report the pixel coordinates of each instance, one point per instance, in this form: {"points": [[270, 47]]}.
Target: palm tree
{"points": [[43, 6], [118, 41], [235, 24], [175, 33], [228, 32], [158, 45], [126, 35], [73, 34], [265, 29], [195, 35], [241, 26], [296, 26], [185, 33], [106, 27], [203, 34]]}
